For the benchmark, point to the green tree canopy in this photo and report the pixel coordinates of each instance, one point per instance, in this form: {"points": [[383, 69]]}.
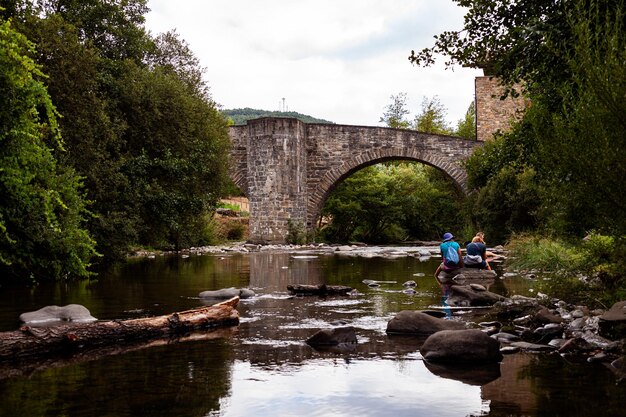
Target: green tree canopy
{"points": [[432, 117], [138, 121], [396, 112], [560, 162], [42, 209]]}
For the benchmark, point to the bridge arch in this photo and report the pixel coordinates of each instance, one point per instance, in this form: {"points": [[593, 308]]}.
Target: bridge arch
{"points": [[287, 168], [333, 178]]}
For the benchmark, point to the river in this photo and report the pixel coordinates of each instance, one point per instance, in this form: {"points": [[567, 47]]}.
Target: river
{"points": [[264, 368]]}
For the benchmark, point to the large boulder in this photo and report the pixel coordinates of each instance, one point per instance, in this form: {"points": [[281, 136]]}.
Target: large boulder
{"points": [[461, 346], [471, 295], [50, 314], [613, 322], [333, 337], [416, 322], [226, 293]]}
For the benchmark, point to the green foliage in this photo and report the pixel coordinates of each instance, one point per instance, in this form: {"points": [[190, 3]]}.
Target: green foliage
{"points": [[241, 116], [590, 270], [138, 121], [507, 39], [43, 210], [508, 203], [396, 112], [432, 117], [537, 252], [466, 127], [392, 202], [235, 231], [296, 233]]}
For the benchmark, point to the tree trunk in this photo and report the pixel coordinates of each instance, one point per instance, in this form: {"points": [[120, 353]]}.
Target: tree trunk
{"points": [[36, 342]]}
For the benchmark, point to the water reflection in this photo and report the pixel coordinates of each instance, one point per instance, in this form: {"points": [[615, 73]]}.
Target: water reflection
{"points": [[263, 367]]}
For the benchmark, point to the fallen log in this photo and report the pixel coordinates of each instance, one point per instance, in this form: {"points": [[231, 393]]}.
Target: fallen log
{"points": [[29, 342], [323, 289]]}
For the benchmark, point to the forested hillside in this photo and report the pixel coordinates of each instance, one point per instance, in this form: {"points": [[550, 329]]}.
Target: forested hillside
{"points": [[241, 116]]}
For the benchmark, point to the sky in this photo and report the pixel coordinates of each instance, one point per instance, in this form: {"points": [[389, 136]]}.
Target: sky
{"points": [[338, 60]]}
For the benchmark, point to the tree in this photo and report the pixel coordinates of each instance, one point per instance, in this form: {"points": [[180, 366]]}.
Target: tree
{"points": [[138, 120], [466, 127], [572, 137], [42, 208], [392, 202], [432, 117], [177, 144], [507, 39], [394, 115]]}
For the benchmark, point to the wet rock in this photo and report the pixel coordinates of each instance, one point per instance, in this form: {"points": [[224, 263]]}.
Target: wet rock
{"points": [[465, 295], [435, 313], [613, 322], [416, 322], [478, 287], [495, 324], [333, 337], [321, 290], [226, 293], [424, 252], [574, 345], [504, 337], [576, 325], [461, 346], [490, 330], [546, 316], [548, 332], [246, 293], [558, 343], [600, 357], [507, 350], [533, 347], [409, 284], [50, 314]]}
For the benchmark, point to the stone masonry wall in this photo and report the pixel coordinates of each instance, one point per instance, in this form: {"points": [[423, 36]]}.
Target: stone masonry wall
{"points": [[276, 177], [493, 114], [287, 168], [336, 151]]}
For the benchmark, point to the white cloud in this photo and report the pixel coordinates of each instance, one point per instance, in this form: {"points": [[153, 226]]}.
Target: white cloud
{"points": [[339, 60]]}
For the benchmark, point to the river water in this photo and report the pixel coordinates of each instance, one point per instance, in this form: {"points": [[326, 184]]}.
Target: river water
{"points": [[264, 368]]}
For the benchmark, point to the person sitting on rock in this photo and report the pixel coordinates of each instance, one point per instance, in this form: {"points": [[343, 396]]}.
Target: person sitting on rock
{"points": [[488, 254], [476, 256], [452, 259]]}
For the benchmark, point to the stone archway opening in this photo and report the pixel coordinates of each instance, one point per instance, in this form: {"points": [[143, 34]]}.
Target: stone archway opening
{"points": [[390, 200]]}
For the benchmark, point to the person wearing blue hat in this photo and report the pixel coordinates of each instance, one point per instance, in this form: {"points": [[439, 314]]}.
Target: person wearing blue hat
{"points": [[452, 259]]}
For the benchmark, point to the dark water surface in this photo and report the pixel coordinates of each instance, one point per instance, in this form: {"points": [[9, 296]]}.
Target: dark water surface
{"points": [[264, 368]]}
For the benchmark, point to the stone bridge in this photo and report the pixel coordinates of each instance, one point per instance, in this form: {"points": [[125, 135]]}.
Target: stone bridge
{"points": [[287, 168]]}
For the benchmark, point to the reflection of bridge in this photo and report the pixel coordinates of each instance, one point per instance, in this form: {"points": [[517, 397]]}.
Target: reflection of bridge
{"points": [[287, 168]]}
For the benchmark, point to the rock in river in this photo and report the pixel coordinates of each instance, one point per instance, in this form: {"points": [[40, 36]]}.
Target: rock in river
{"points": [[416, 322], [332, 337], [461, 346], [70, 312]]}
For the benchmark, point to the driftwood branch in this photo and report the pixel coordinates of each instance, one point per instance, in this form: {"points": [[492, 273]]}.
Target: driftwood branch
{"points": [[29, 343]]}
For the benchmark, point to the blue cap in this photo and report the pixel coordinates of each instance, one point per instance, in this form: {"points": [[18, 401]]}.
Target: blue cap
{"points": [[447, 236]]}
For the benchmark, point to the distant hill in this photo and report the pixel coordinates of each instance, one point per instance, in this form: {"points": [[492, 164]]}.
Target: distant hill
{"points": [[241, 116]]}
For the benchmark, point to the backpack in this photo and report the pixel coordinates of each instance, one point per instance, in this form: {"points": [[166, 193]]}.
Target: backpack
{"points": [[451, 257]]}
